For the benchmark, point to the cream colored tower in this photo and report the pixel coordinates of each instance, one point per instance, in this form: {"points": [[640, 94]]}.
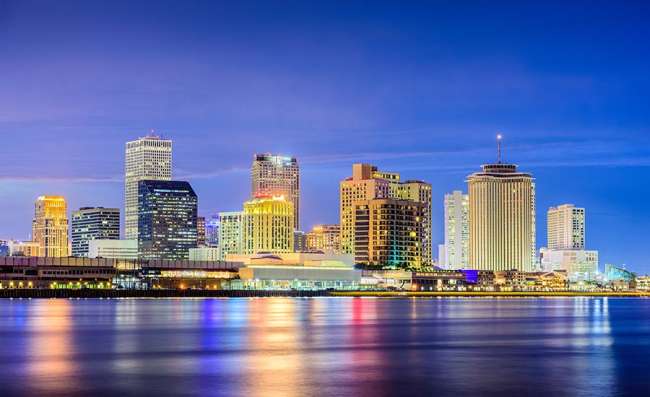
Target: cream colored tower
{"points": [[566, 227], [50, 226], [501, 218], [267, 225], [147, 158], [456, 231]]}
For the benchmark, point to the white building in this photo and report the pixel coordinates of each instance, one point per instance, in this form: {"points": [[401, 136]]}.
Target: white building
{"points": [[579, 264], [230, 233], [204, 254], [566, 227], [147, 158], [113, 249], [456, 248]]}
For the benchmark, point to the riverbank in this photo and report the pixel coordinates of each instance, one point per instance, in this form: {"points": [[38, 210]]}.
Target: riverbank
{"points": [[409, 294]]}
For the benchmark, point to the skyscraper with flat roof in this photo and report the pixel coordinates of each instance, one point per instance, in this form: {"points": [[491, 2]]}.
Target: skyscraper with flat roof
{"points": [[566, 227], [274, 175], [50, 226], [456, 248], [267, 225], [93, 223], [147, 158]]}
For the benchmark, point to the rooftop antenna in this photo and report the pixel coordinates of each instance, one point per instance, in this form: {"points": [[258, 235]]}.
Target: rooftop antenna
{"points": [[499, 138]]}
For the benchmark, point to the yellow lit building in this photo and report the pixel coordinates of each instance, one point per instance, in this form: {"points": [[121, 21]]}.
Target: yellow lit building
{"points": [[501, 218], [267, 225], [50, 226], [369, 183], [325, 238]]}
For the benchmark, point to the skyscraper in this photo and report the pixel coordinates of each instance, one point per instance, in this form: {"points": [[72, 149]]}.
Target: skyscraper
{"points": [[456, 249], [368, 183], [501, 218], [212, 226], [267, 225], [147, 158], [93, 223], [166, 219], [50, 226], [274, 175], [566, 227], [200, 231], [230, 233]]}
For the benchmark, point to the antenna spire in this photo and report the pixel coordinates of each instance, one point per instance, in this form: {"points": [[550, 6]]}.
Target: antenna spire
{"points": [[499, 137]]}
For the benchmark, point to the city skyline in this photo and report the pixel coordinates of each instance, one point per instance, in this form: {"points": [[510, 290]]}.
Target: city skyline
{"points": [[566, 118]]}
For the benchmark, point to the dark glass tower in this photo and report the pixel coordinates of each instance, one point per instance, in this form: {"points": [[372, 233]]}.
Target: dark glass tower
{"points": [[167, 212], [93, 223]]}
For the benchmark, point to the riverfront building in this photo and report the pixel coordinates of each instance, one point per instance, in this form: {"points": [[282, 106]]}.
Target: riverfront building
{"points": [[566, 227], [326, 238], [368, 183], [113, 249], [456, 247], [273, 175], [50, 226], [167, 219], [501, 218], [579, 264], [267, 226], [200, 231], [92, 223], [147, 158], [230, 233]]}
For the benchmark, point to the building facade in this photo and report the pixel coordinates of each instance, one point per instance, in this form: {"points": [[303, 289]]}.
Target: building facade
{"points": [[566, 227], [50, 226], [369, 183], [166, 219], [230, 233], [501, 218], [388, 233], [212, 231], [147, 158], [326, 238], [267, 226], [579, 264], [273, 175], [200, 231], [455, 254], [92, 223], [113, 249]]}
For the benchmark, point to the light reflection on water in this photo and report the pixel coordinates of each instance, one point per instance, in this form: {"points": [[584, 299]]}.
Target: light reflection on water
{"points": [[325, 346]]}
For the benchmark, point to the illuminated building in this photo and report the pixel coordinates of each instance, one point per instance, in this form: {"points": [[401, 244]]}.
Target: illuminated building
{"points": [[501, 218], [50, 226], [114, 249], [267, 226], [166, 219], [578, 263], [212, 231], [368, 183], [456, 248], [89, 223], [200, 231], [230, 233], [643, 283], [566, 227], [204, 254], [326, 238], [4, 248], [147, 158], [299, 241], [274, 175], [23, 248], [388, 233]]}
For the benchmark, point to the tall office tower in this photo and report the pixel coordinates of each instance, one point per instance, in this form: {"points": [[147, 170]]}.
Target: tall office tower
{"points": [[147, 158], [267, 225], [230, 233], [274, 175], [93, 223], [212, 231], [388, 233], [566, 227], [325, 238], [501, 218], [166, 219], [456, 251], [200, 231], [299, 241], [368, 183], [50, 226]]}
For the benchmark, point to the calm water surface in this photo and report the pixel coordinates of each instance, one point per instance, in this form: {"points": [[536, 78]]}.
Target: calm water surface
{"points": [[326, 346]]}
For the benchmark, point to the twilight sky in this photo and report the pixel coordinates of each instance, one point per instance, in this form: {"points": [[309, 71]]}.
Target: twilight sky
{"points": [[415, 87]]}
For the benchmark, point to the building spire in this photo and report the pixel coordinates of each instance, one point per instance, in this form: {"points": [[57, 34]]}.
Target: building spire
{"points": [[499, 137]]}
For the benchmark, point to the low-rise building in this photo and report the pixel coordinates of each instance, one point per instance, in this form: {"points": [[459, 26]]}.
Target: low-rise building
{"points": [[113, 249]]}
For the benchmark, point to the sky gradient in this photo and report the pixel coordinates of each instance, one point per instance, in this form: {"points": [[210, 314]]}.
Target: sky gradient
{"points": [[417, 87]]}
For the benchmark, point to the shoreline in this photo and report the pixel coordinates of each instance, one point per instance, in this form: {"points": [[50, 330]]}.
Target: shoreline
{"points": [[162, 293]]}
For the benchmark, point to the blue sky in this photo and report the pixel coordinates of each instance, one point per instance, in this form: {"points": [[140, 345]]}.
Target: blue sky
{"points": [[416, 87]]}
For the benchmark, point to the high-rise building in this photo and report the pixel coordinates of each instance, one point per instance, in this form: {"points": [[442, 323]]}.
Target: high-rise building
{"points": [[267, 225], [368, 183], [113, 249], [274, 175], [501, 218], [566, 227], [200, 231], [93, 223], [166, 219], [456, 250], [230, 233], [326, 238], [50, 226], [147, 158], [388, 233], [299, 241], [212, 231]]}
